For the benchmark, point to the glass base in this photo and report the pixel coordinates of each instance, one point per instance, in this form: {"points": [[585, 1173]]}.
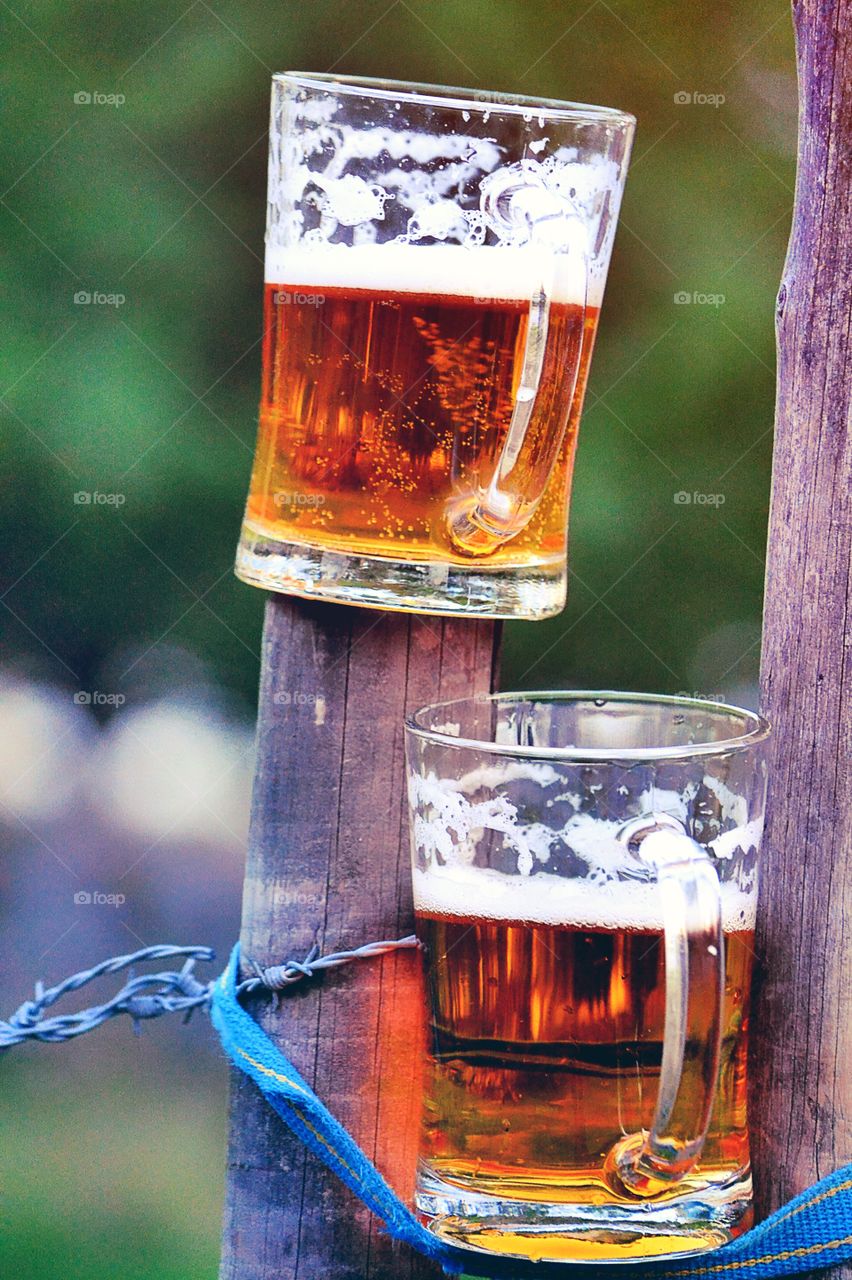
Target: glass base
{"points": [[530, 591], [541, 1232]]}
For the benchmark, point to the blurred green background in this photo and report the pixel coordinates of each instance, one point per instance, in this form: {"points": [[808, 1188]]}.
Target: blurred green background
{"points": [[134, 168]]}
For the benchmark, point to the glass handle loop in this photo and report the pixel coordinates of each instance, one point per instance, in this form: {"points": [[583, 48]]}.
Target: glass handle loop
{"points": [[646, 1163], [483, 519]]}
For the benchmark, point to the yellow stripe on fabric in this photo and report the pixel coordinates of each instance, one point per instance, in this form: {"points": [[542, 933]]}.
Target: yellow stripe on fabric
{"points": [[803, 1252], [267, 1071], [276, 1075], [825, 1195], [339, 1158]]}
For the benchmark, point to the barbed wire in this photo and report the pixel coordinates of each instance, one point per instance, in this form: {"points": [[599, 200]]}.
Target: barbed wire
{"points": [[171, 991]]}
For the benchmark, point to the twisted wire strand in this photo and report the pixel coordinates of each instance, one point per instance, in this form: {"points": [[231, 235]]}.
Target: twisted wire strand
{"points": [[279, 977], [171, 991]]}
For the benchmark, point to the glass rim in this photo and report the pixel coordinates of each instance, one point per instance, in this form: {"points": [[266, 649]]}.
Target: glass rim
{"points": [[758, 729], [457, 97]]}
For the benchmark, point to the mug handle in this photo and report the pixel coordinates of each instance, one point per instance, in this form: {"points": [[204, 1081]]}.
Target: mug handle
{"points": [[480, 521], [646, 1163]]}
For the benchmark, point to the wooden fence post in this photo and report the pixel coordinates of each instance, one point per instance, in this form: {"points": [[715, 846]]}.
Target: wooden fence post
{"points": [[802, 1100], [328, 861]]}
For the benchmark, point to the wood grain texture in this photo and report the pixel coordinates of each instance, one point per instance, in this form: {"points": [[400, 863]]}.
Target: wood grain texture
{"points": [[328, 860], [802, 1061]]}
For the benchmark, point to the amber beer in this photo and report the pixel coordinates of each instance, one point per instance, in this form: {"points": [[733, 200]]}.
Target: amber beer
{"points": [[546, 1043], [388, 387]]}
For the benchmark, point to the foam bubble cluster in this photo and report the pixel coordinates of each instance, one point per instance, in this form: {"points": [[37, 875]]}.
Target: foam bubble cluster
{"points": [[486, 273]]}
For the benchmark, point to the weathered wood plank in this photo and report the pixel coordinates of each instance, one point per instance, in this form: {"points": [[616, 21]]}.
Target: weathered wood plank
{"points": [[328, 860], [802, 1060]]}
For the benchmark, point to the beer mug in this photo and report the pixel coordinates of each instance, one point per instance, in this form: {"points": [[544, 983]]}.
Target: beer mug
{"points": [[435, 263], [585, 881]]}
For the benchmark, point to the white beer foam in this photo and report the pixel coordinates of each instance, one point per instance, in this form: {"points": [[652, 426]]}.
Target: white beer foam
{"points": [[478, 894], [491, 273]]}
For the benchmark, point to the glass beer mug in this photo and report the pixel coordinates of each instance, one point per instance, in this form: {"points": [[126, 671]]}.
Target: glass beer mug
{"points": [[585, 881], [435, 263]]}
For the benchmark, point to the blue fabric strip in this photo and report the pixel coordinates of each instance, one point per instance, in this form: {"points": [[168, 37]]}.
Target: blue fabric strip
{"points": [[811, 1232]]}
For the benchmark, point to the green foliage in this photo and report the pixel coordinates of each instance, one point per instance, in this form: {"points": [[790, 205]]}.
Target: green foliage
{"points": [[123, 1179], [161, 199]]}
